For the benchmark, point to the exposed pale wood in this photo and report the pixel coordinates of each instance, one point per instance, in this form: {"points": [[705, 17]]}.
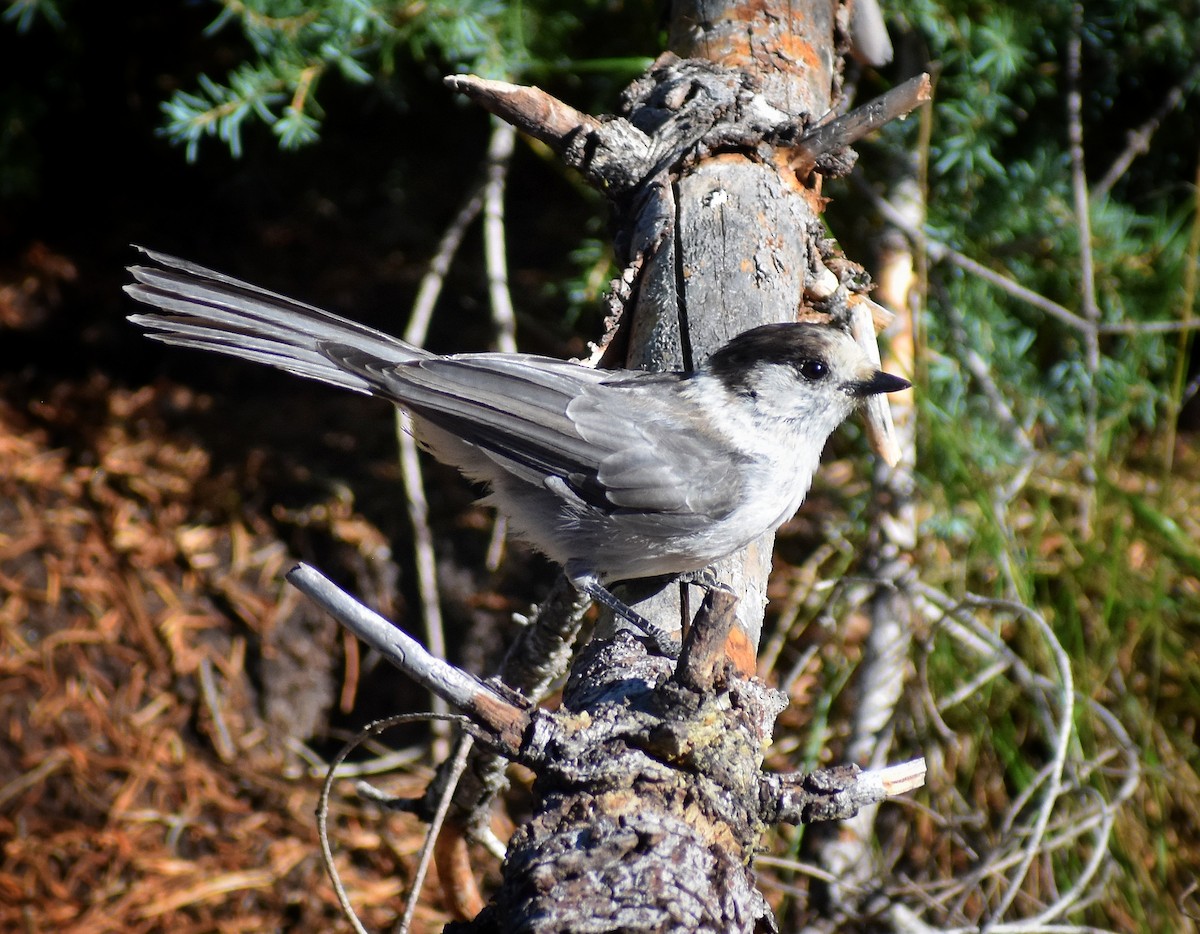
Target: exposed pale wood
{"points": [[506, 721]]}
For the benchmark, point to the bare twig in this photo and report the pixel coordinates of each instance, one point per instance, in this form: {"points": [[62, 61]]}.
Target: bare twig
{"points": [[530, 109], [538, 655], [1138, 141], [1054, 778], [457, 766], [435, 276], [853, 126], [212, 700], [391, 761], [459, 887], [839, 792], [499, 157], [410, 463], [1087, 270], [807, 579], [331, 775], [1150, 327], [1187, 301], [1056, 825], [423, 552], [939, 252], [1107, 815]]}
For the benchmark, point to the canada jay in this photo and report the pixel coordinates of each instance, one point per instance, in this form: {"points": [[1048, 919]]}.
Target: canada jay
{"points": [[614, 474]]}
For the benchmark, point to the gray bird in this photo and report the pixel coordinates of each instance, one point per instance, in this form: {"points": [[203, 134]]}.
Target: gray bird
{"points": [[614, 474]]}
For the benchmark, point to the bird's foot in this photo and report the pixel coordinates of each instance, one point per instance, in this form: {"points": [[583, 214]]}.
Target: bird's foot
{"points": [[666, 643], [704, 578]]}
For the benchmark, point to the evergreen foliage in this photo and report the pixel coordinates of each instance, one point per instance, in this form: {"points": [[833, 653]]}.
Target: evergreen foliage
{"points": [[295, 44]]}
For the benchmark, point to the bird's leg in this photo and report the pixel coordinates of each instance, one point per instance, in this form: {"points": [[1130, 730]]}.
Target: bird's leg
{"points": [[706, 579], [666, 643]]}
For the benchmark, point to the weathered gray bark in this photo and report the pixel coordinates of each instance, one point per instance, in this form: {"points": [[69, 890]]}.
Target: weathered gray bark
{"points": [[735, 227], [648, 804], [650, 801]]}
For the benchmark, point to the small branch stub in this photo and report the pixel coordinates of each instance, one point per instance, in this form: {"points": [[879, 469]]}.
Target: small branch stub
{"points": [[704, 647], [838, 793], [530, 109]]}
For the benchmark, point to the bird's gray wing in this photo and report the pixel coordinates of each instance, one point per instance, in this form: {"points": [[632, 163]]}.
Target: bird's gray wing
{"points": [[612, 440], [662, 459], [616, 442]]}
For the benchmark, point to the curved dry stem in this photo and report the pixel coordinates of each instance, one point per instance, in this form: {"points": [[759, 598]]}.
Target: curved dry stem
{"points": [[410, 464], [504, 318], [331, 775], [1056, 810]]}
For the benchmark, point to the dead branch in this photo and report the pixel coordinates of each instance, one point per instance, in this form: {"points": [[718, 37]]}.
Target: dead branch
{"points": [[530, 109], [1087, 272], [817, 145], [704, 646], [505, 719], [612, 155], [410, 464], [1138, 141]]}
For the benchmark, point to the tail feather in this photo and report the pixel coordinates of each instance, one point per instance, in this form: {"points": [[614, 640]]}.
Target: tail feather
{"points": [[208, 310]]}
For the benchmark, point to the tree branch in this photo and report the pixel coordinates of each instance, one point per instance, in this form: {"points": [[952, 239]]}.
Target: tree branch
{"points": [[507, 721], [839, 792], [847, 129]]}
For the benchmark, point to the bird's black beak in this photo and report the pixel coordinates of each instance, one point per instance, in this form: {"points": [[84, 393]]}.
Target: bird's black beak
{"points": [[879, 382]]}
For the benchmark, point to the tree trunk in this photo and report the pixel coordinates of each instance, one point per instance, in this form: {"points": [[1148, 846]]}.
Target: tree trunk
{"points": [[737, 227], [650, 799]]}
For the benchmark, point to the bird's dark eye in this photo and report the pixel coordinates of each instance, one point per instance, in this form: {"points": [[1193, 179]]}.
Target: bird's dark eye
{"points": [[813, 369]]}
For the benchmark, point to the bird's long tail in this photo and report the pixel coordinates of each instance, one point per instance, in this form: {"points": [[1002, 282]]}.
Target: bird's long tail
{"points": [[205, 309]]}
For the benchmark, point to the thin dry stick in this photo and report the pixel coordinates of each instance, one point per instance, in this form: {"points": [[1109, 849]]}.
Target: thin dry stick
{"points": [[805, 579], [1087, 271], [1149, 327], [847, 129], [1063, 687], [938, 252], [331, 775], [435, 827], [499, 157], [507, 718], [1138, 141], [981, 371], [1187, 301], [410, 463], [226, 748], [1108, 813]]}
